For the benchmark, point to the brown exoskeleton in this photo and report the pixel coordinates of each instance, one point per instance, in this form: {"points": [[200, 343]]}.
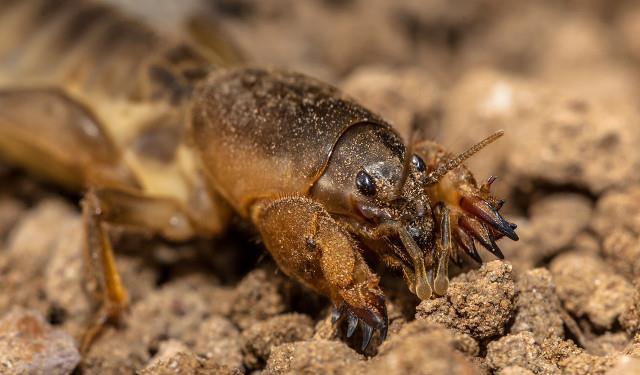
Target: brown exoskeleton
{"points": [[159, 139]]}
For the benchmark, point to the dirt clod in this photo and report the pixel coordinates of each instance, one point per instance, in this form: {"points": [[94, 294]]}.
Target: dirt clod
{"points": [[257, 298], [29, 345], [217, 340], [263, 336], [175, 358], [422, 347], [552, 226], [588, 287], [310, 357], [538, 307], [519, 350], [617, 222], [479, 303]]}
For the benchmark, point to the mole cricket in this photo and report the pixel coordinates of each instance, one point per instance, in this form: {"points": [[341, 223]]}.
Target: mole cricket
{"points": [[162, 135]]}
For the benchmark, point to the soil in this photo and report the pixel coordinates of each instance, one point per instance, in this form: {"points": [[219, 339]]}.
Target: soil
{"points": [[561, 78]]}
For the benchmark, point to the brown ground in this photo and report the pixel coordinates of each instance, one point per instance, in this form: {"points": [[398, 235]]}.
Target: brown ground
{"points": [[561, 77]]}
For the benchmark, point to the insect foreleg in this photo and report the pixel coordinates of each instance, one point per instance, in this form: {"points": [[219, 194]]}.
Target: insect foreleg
{"points": [[310, 246]]}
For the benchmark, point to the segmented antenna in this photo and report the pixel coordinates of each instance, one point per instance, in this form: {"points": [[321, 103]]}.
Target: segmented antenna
{"points": [[446, 167]]}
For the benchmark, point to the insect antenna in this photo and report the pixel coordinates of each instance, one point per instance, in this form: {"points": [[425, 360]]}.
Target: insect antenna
{"points": [[445, 167]]}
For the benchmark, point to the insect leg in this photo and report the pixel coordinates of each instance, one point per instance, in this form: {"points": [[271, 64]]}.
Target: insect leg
{"points": [[102, 280], [56, 137], [445, 249], [311, 247], [104, 207]]}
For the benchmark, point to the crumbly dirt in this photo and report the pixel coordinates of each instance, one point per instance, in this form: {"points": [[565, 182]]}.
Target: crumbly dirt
{"points": [[561, 78]]}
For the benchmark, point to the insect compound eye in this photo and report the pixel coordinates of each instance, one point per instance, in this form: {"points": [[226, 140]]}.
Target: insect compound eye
{"points": [[365, 183], [418, 163]]}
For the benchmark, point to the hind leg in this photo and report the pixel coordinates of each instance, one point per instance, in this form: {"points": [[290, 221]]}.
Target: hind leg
{"points": [[54, 136], [57, 138], [102, 208]]}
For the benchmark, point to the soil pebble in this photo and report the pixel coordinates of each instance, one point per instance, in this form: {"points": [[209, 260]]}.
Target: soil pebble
{"points": [[609, 343], [538, 119], [29, 345], [28, 251], [616, 221], [263, 336], [219, 341], [553, 356], [312, 357], [626, 365], [538, 308], [590, 161], [422, 347], [175, 358], [519, 350], [630, 318], [589, 288], [257, 298], [479, 303]]}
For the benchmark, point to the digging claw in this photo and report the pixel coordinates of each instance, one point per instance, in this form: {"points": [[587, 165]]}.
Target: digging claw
{"points": [[335, 315], [367, 333], [482, 234], [467, 244], [475, 217], [494, 249], [383, 330], [473, 253], [368, 319], [483, 210], [352, 323]]}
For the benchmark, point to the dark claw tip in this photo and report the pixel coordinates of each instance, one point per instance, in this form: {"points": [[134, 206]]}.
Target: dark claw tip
{"points": [[335, 315], [473, 253], [505, 227], [384, 328], [370, 319], [490, 215], [367, 333], [495, 250], [352, 323]]}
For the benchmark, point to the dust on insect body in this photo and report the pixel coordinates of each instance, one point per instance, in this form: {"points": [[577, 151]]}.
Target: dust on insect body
{"points": [[349, 183]]}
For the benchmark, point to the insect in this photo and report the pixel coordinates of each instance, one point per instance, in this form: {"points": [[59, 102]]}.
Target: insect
{"points": [[159, 136]]}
